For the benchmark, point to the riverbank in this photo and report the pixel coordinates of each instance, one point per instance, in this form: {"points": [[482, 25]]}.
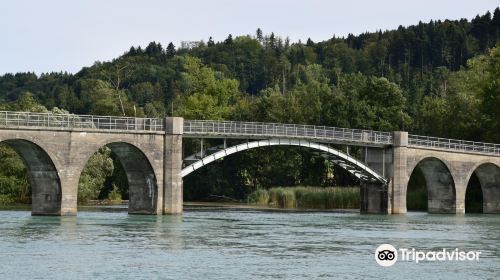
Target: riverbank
{"points": [[197, 206], [104, 202], [100, 206], [314, 198], [338, 199]]}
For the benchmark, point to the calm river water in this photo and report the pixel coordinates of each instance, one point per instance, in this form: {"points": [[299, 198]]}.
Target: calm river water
{"points": [[213, 243]]}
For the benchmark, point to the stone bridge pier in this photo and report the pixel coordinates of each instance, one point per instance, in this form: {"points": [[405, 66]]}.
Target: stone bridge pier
{"points": [[446, 173]]}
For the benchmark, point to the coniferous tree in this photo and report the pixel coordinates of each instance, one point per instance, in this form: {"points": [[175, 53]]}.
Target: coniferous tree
{"points": [[170, 52]]}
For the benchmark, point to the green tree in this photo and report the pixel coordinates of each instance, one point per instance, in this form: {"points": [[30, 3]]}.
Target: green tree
{"points": [[489, 87], [206, 94], [170, 50], [14, 180], [98, 96], [94, 174]]}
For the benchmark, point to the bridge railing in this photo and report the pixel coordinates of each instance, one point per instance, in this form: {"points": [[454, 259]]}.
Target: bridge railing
{"points": [[256, 129], [49, 120], [453, 144]]}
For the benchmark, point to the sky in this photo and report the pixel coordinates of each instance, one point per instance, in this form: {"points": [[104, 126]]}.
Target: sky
{"points": [[61, 35]]}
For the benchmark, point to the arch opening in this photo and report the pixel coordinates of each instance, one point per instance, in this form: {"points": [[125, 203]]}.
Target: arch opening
{"points": [[44, 181], [352, 165], [374, 183], [474, 195], [431, 187], [120, 170], [483, 190], [283, 168], [416, 192]]}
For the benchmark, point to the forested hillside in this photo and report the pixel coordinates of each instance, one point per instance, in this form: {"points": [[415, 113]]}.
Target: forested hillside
{"points": [[439, 78]]}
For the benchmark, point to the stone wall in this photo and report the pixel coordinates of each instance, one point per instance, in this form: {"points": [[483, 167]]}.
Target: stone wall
{"points": [[446, 173], [55, 159]]}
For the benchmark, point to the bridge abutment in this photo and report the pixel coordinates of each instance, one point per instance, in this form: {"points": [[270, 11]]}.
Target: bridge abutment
{"points": [[391, 163], [172, 162], [69, 199], [400, 177], [374, 198]]}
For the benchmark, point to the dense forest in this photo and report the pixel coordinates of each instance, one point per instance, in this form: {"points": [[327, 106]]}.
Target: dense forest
{"points": [[440, 78]]}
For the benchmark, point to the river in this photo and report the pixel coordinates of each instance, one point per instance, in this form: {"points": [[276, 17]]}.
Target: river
{"points": [[235, 243]]}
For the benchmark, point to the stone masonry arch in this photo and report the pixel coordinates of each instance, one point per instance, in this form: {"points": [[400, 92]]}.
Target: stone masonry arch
{"points": [[488, 174], [441, 193], [141, 157], [143, 186], [43, 174]]}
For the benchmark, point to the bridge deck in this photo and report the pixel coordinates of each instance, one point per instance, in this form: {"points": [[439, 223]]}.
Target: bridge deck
{"points": [[256, 130], [241, 130]]}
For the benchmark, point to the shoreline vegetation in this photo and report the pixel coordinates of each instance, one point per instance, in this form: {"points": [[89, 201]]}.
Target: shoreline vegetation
{"points": [[298, 197], [305, 197]]}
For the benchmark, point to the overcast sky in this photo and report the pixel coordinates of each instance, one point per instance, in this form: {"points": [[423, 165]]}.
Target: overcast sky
{"points": [[62, 35]]}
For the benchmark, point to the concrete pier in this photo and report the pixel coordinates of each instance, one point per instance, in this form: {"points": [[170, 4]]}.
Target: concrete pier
{"points": [[172, 166]]}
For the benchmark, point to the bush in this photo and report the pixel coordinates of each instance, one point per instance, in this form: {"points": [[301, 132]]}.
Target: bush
{"points": [[115, 195], [260, 197], [6, 199]]}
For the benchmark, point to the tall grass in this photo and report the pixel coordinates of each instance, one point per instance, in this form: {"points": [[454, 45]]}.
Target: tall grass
{"points": [[308, 197], [282, 197], [260, 197]]}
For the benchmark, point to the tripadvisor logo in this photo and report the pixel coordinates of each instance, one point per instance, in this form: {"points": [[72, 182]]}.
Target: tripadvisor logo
{"points": [[387, 255]]}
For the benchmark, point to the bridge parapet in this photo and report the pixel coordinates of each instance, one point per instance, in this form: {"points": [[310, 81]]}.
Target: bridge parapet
{"points": [[436, 143], [258, 130], [79, 122], [233, 129]]}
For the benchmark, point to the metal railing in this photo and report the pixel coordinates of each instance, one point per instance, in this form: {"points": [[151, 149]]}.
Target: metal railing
{"points": [[263, 130], [453, 144], [200, 128], [62, 121]]}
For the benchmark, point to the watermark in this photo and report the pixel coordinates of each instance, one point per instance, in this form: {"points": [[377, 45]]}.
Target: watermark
{"points": [[388, 255]]}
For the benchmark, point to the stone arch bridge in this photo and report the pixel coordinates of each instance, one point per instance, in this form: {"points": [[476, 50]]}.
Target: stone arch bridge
{"points": [[55, 149]]}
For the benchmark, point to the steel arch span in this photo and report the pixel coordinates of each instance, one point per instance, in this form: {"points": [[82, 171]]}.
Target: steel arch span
{"points": [[352, 165]]}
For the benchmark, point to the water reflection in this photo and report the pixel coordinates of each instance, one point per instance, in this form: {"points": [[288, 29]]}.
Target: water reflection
{"points": [[37, 227], [229, 244]]}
